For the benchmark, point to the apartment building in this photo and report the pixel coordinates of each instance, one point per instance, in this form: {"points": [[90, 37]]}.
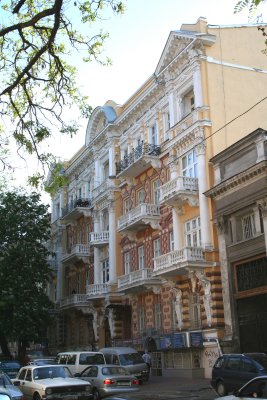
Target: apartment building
{"points": [[136, 228]]}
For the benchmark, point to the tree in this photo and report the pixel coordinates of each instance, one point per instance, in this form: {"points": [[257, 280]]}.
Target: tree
{"points": [[24, 271], [37, 82], [250, 4]]}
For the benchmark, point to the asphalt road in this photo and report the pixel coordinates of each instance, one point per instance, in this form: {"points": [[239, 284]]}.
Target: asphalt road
{"points": [[170, 388]]}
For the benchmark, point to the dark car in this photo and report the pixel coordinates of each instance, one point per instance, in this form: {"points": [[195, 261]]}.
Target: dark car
{"points": [[10, 367], [231, 371]]}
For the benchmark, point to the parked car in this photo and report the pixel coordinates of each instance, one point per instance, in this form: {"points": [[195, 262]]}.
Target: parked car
{"points": [[4, 394], [38, 382], [14, 392], [10, 367], [129, 358], [231, 371], [77, 361], [256, 387], [108, 380]]}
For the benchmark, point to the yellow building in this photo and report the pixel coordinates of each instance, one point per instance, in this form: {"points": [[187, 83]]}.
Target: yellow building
{"points": [[134, 229]]}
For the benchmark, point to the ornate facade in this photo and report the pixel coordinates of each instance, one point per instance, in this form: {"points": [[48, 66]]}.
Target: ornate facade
{"points": [[134, 230]]}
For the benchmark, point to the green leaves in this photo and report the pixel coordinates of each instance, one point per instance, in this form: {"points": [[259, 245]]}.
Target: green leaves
{"points": [[250, 4]]}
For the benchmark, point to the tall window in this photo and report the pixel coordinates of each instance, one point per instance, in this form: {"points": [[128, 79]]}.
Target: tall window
{"points": [[105, 271], [192, 232], [156, 247], [167, 125], [141, 196], [126, 205], [154, 134], [105, 221], [195, 317], [105, 171], [127, 267], [141, 257], [188, 103], [156, 191], [189, 164], [157, 315], [248, 226]]}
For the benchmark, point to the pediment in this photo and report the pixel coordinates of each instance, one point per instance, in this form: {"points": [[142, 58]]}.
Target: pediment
{"points": [[176, 43]]}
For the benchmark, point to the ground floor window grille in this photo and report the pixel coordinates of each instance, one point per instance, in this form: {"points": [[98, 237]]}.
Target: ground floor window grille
{"points": [[173, 359]]}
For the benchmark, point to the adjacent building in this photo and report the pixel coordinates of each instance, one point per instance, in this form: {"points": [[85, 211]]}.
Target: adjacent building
{"points": [[139, 231]]}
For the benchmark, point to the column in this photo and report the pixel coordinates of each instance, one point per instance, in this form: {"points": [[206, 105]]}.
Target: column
{"points": [[197, 87], [203, 200], [172, 109], [226, 279], [97, 174], [112, 245], [176, 219], [97, 267], [111, 160], [61, 202]]}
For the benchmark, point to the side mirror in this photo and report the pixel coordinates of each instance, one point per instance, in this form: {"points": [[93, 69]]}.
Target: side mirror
{"points": [[16, 383]]}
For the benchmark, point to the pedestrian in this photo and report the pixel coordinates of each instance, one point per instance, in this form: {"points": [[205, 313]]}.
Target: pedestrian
{"points": [[147, 359]]}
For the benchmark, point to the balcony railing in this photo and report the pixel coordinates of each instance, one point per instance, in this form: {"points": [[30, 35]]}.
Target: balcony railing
{"points": [[178, 259], [135, 277], [81, 203], [143, 214], [78, 251], [99, 238], [131, 162], [97, 290], [171, 191], [74, 300]]}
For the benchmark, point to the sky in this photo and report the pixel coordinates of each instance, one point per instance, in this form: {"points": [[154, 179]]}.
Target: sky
{"points": [[135, 44]]}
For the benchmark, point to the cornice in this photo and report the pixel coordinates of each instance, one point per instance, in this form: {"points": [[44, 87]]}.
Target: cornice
{"points": [[242, 179]]}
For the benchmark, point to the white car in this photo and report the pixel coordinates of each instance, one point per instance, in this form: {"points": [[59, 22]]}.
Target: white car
{"points": [[255, 388], [48, 382]]}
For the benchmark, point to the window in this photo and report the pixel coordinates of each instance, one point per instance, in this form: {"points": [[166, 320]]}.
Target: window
{"points": [[167, 125], [156, 247], [141, 257], [141, 318], [105, 171], [154, 134], [188, 103], [127, 267], [192, 233], [126, 205], [171, 238], [157, 316], [141, 196], [248, 226], [105, 271], [156, 191], [195, 316], [189, 164], [105, 221]]}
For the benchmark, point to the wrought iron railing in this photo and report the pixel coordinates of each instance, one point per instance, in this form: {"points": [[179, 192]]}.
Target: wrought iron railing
{"points": [[141, 150], [81, 202]]}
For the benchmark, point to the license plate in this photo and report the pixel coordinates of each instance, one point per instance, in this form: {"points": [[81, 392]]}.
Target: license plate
{"points": [[123, 383]]}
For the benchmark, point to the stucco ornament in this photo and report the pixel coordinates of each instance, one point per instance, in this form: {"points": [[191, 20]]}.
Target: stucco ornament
{"points": [[178, 307], [207, 294]]}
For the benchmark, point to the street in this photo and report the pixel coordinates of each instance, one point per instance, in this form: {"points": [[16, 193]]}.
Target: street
{"points": [[169, 388]]}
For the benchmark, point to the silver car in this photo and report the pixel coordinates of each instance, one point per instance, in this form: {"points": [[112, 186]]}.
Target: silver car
{"points": [[14, 392], [108, 380], [48, 382]]}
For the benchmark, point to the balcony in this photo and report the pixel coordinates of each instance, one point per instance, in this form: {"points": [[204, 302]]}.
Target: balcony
{"points": [[99, 239], [103, 189], [97, 290], [138, 280], [141, 216], [73, 301], [180, 190], [76, 209], [140, 159], [77, 252], [176, 262]]}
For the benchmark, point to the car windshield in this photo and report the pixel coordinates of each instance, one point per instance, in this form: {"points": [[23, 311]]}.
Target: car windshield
{"points": [[261, 361], [4, 380], [114, 371], [131, 359], [51, 372]]}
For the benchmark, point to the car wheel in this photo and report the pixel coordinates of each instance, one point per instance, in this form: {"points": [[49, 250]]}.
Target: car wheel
{"points": [[96, 394], [220, 389], [36, 396]]}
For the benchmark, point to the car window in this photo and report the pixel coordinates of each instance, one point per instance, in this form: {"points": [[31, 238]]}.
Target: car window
{"points": [[90, 372], [4, 380], [131, 359], [247, 365], [108, 358], [257, 388], [22, 375], [233, 363], [28, 376], [219, 362], [114, 371], [71, 359], [87, 358]]}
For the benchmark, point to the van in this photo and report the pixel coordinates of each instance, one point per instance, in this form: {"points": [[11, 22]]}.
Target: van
{"points": [[128, 358], [77, 361]]}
